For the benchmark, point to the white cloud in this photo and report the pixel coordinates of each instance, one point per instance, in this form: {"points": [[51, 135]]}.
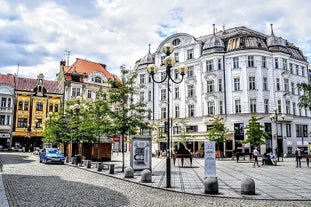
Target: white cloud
{"points": [[35, 34]]}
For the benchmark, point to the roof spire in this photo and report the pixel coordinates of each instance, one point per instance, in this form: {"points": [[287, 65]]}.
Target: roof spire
{"points": [[214, 29], [271, 29], [149, 48]]}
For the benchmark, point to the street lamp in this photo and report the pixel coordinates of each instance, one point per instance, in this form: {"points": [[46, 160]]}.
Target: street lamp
{"points": [[169, 62], [274, 119]]}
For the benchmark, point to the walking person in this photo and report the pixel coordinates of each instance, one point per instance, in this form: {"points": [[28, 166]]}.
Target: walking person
{"points": [[298, 157], [255, 156]]}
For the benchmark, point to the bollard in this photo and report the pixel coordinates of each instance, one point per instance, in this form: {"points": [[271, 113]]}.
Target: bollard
{"points": [[248, 186], [210, 185], [128, 172], [67, 159], [100, 166], [111, 169], [146, 176], [88, 164]]}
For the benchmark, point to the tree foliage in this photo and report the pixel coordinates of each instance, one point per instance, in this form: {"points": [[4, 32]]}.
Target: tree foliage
{"points": [[217, 131], [304, 100], [255, 132]]}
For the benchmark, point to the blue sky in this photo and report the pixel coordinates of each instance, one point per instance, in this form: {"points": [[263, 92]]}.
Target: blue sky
{"points": [[35, 34]]}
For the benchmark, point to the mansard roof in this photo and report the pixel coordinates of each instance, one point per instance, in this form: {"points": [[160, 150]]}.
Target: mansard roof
{"points": [[29, 84]]}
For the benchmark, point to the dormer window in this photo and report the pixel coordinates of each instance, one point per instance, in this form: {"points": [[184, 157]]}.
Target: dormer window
{"points": [[98, 80], [176, 42]]}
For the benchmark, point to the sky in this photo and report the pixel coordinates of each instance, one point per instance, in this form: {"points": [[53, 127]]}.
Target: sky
{"points": [[35, 35]]}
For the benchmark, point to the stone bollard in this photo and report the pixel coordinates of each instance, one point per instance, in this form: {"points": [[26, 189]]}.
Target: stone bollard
{"points": [[248, 186], [100, 166], [67, 159], [111, 169], [146, 176], [210, 185], [128, 172], [88, 164], [73, 160]]}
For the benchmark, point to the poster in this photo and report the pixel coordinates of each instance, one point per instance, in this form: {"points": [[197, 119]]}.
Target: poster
{"points": [[209, 159], [141, 152]]}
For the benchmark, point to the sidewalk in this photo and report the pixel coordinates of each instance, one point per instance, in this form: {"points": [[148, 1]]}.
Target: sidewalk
{"points": [[3, 198], [284, 181]]}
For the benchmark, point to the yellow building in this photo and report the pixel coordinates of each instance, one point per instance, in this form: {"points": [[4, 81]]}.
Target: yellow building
{"points": [[35, 99]]}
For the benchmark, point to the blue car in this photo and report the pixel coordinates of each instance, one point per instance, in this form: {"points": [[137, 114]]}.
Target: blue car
{"points": [[51, 155]]}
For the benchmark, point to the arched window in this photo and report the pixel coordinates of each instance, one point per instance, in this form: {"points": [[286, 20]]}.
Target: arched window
{"points": [[51, 107], [98, 80]]}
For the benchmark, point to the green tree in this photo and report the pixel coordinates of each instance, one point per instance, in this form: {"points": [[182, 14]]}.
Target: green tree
{"points": [[217, 131], [304, 100], [255, 132]]}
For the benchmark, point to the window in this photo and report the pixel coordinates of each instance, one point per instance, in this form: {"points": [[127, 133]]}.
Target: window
{"points": [[235, 62], [177, 111], [221, 106], [190, 54], [22, 123], [253, 105], [278, 84], [9, 102], [26, 104], [176, 73], [39, 106], [279, 106], [293, 88], [3, 102], [288, 130], [236, 84], [294, 108], [263, 62], [266, 105], [149, 79], [2, 119], [89, 94], [209, 65], [7, 121], [291, 68], [190, 90], [237, 106], [192, 129], [219, 85], [162, 60], [250, 61], [191, 110], [276, 63], [190, 71], [141, 96], [176, 42], [56, 108], [297, 70], [163, 94], [163, 75], [176, 130], [149, 95], [51, 107], [301, 130], [303, 71], [75, 92], [284, 63], [287, 106], [176, 55], [286, 84], [251, 83], [142, 78], [163, 113], [265, 83], [20, 105], [210, 86], [176, 92], [210, 107], [98, 80], [39, 123], [219, 63]]}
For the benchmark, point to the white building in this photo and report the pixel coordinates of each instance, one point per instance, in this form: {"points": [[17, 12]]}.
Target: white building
{"points": [[232, 73]]}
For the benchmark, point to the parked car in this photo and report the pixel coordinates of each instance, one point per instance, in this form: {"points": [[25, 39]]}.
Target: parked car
{"points": [[51, 155]]}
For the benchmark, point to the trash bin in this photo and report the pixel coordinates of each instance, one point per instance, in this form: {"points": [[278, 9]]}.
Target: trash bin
{"points": [[111, 169], [100, 166], [78, 159]]}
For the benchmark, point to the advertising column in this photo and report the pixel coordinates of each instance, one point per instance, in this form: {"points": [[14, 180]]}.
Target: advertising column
{"points": [[209, 159], [141, 152]]}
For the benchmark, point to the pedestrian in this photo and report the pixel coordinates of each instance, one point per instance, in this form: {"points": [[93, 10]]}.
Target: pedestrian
{"points": [[298, 157], [273, 158], [255, 156]]}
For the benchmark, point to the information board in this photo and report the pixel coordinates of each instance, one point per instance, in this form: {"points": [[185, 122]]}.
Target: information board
{"points": [[209, 159]]}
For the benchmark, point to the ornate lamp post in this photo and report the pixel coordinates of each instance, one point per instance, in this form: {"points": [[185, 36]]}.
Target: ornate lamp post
{"points": [[152, 69], [274, 119]]}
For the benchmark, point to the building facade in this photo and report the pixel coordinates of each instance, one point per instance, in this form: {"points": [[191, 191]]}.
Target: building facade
{"points": [[35, 99], [6, 110], [232, 73]]}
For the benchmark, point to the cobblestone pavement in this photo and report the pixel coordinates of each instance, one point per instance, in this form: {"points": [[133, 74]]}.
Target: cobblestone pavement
{"points": [[30, 183]]}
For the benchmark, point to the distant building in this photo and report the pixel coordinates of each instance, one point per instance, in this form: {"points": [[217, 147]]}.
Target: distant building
{"points": [[232, 73], [6, 110], [35, 99]]}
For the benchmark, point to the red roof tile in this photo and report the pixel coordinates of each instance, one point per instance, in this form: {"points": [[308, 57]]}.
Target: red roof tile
{"points": [[7, 78], [28, 84]]}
